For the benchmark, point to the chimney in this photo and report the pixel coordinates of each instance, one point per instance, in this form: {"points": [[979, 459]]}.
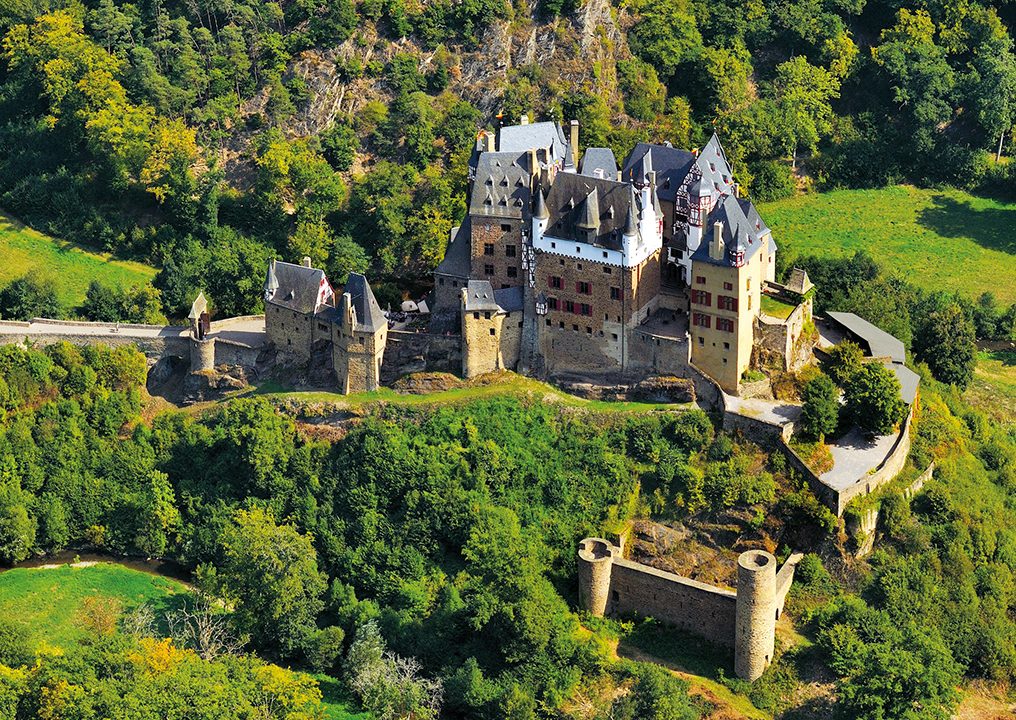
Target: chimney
{"points": [[737, 190], [306, 261], [488, 142], [716, 244], [574, 125], [619, 176], [534, 166], [652, 178], [524, 120]]}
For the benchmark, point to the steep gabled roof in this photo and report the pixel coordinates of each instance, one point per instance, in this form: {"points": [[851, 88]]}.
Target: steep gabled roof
{"points": [[909, 381], [509, 299], [576, 201], [369, 317], [671, 166], [599, 162], [480, 297], [297, 287], [456, 261], [739, 235], [502, 186], [522, 138], [799, 282], [712, 165]]}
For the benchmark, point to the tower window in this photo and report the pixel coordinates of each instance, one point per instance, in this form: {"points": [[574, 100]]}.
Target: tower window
{"points": [[492, 332], [509, 251], [488, 248], [506, 227], [488, 269]]}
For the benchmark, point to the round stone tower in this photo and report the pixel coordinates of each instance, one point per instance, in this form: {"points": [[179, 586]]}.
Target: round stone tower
{"points": [[596, 557], [202, 354], [755, 630]]}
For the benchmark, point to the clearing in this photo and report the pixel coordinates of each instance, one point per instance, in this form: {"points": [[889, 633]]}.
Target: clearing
{"points": [[937, 239], [993, 388], [71, 265]]}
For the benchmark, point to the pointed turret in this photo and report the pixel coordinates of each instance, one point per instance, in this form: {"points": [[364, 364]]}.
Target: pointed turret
{"points": [[540, 210], [630, 224], [271, 281]]}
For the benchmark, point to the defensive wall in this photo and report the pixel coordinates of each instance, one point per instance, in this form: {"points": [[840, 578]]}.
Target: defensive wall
{"points": [[153, 340], [412, 352], [864, 528], [781, 336], [744, 620], [889, 468]]}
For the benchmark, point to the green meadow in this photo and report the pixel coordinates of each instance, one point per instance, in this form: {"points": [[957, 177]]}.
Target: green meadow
{"points": [[937, 239], [70, 265]]}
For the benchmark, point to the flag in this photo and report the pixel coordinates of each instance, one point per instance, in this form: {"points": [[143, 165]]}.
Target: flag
{"points": [[325, 293]]}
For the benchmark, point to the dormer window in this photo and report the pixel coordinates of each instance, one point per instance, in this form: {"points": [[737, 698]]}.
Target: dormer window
{"points": [[504, 181], [610, 212], [666, 184], [490, 180]]}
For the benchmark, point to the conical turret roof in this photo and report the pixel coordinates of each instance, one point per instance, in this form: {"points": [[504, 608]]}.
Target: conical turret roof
{"points": [[540, 211], [271, 281], [630, 225], [589, 218]]}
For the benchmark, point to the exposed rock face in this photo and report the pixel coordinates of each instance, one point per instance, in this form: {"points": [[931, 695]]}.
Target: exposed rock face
{"points": [[650, 390], [212, 385]]}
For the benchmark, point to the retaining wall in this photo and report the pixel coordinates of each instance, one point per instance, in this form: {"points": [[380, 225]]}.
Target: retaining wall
{"points": [[410, 352], [886, 471], [761, 432]]}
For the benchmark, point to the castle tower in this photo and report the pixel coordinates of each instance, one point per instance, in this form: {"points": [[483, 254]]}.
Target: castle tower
{"points": [[755, 629], [202, 350], [541, 216], [596, 558], [481, 330], [359, 335]]}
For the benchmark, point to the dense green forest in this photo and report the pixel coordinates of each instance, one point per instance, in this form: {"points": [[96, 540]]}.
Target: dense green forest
{"points": [[193, 136], [430, 553]]}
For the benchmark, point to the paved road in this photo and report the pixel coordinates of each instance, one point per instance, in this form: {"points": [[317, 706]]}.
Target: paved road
{"points": [[854, 457]]}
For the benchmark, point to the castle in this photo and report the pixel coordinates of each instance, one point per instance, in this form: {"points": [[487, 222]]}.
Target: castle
{"points": [[563, 268]]}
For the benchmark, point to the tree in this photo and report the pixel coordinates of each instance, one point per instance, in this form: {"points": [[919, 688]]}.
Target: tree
{"points": [[803, 93], [845, 361], [946, 342], [270, 574], [30, 296], [820, 413], [666, 36], [873, 398]]}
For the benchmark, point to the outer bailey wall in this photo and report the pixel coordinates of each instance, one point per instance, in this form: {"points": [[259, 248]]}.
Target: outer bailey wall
{"points": [[885, 472], [699, 608], [408, 352], [228, 352], [758, 431], [151, 347]]}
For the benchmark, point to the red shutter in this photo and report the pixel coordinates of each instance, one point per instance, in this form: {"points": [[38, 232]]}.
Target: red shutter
{"points": [[578, 287], [709, 300], [550, 282], [733, 304], [708, 321]]}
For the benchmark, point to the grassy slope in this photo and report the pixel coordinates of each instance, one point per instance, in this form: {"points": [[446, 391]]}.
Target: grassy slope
{"points": [[993, 388], [938, 239], [69, 265], [47, 600]]}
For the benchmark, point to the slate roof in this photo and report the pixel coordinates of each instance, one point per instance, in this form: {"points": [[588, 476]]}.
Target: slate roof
{"points": [[577, 201], [297, 287], [909, 380], [480, 296], [522, 138], [599, 159], [712, 165], [671, 166], [799, 282], [509, 299], [457, 262], [502, 186], [369, 317], [739, 234], [200, 305], [879, 342]]}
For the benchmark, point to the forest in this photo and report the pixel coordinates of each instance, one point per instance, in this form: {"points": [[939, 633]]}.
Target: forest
{"points": [[430, 552], [190, 135]]}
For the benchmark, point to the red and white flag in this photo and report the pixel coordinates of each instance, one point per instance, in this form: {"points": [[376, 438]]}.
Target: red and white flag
{"points": [[325, 293]]}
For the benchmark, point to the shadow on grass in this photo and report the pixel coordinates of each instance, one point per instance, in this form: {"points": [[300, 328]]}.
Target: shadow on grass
{"points": [[679, 649], [340, 704], [989, 228]]}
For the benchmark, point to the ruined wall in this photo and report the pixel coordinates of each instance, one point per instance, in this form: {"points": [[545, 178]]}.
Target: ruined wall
{"points": [[413, 352], [153, 347], [699, 608], [662, 355], [228, 352], [758, 431]]}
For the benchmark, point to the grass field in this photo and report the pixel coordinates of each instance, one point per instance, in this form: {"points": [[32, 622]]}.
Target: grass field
{"points": [[938, 239], [47, 600], [69, 265], [993, 388]]}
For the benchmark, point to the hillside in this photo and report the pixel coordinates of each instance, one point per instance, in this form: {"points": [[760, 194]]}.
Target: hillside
{"points": [[937, 239]]}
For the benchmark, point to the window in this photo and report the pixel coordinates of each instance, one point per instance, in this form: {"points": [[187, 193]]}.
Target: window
{"points": [[476, 316], [488, 269], [701, 297], [548, 322], [749, 302], [583, 288], [578, 266], [561, 324], [728, 286], [492, 331], [578, 249], [747, 284], [552, 303], [505, 286], [604, 253], [613, 336], [486, 315], [322, 326], [575, 328], [361, 341], [589, 330], [513, 272], [488, 248], [506, 227], [726, 346], [701, 342], [560, 261], [726, 325], [615, 293], [509, 251], [440, 281], [725, 302], [724, 361], [587, 310], [699, 280], [569, 306], [701, 320], [555, 282]]}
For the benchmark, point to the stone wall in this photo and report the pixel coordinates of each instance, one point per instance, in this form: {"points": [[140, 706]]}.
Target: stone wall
{"points": [[826, 495], [229, 322], [511, 339], [289, 331], [662, 355], [228, 352], [412, 352], [152, 347], [758, 431], [916, 486], [781, 337]]}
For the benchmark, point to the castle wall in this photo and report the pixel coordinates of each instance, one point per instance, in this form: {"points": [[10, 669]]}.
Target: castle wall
{"points": [[492, 231], [699, 608], [885, 472], [481, 346], [413, 352], [289, 331], [758, 431], [447, 292], [511, 339], [661, 355], [228, 352]]}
